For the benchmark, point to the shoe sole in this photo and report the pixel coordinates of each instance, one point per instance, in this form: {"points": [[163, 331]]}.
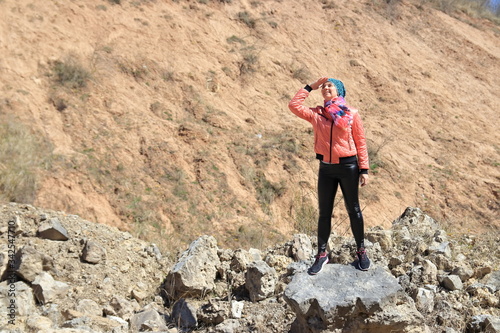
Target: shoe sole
{"points": [[363, 269], [323, 265]]}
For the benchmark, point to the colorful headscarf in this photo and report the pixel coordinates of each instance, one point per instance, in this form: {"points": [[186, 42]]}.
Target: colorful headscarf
{"points": [[339, 85], [339, 112]]}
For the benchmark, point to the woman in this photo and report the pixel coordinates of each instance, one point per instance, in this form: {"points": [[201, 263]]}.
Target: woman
{"points": [[340, 145]]}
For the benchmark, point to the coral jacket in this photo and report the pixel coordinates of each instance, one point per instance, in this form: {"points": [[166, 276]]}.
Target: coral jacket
{"points": [[332, 141]]}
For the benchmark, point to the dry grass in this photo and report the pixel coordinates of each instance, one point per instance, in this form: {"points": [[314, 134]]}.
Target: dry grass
{"points": [[22, 155]]}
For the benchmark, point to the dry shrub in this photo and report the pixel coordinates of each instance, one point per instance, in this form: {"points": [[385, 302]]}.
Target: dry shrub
{"points": [[70, 73]]}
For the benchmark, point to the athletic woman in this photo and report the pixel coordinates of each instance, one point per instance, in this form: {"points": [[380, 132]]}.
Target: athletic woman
{"points": [[340, 145]]}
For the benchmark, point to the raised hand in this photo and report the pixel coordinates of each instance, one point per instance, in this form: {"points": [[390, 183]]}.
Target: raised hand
{"points": [[318, 83]]}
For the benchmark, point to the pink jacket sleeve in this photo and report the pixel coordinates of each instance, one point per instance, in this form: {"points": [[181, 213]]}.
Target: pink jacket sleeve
{"points": [[358, 133], [296, 105]]}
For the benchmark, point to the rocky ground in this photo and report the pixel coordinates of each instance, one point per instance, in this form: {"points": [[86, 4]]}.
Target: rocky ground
{"points": [[61, 273], [159, 115]]}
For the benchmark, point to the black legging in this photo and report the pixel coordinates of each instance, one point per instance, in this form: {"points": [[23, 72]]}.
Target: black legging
{"points": [[329, 177]]}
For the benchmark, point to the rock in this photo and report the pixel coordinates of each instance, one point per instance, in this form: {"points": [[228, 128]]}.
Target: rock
{"points": [[52, 229], [89, 307], [101, 324], [134, 270], [46, 289], [195, 271], [15, 226], [278, 261], [184, 314], [214, 312], [260, 280], [440, 248], [38, 323], [154, 251], [441, 261], [426, 273], [429, 272], [483, 295], [414, 218], [122, 324], [82, 323], [484, 324], [53, 312], [452, 282], [402, 318], [395, 261], [401, 234], [121, 307], [342, 296], [5, 267], [301, 247], [240, 260], [464, 271], [297, 267], [228, 326], [225, 254], [93, 253], [424, 300], [481, 272], [255, 254], [70, 314], [493, 280], [78, 320], [139, 294], [383, 237], [236, 309], [16, 299], [149, 320], [492, 324], [440, 236], [30, 263]]}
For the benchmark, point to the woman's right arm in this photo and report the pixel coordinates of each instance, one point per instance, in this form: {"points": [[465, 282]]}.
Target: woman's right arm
{"points": [[296, 105]]}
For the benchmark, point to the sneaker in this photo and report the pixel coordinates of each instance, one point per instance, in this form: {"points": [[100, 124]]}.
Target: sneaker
{"points": [[363, 261], [319, 263]]}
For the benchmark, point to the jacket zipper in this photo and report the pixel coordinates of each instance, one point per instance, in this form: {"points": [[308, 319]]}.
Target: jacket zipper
{"points": [[331, 146]]}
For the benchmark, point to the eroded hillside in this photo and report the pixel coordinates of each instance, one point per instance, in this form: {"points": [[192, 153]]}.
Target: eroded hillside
{"points": [[170, 118]]}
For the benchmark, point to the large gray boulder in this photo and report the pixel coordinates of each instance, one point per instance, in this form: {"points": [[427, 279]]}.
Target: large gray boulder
{"points": [[195, 272], [343, 297]]}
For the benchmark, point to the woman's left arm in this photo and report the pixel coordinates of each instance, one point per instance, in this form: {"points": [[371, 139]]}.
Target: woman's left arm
{"points": [[358, 133]]}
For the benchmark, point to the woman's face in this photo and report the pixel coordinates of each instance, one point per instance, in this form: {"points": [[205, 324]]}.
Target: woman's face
{"points": [[329, 90]]}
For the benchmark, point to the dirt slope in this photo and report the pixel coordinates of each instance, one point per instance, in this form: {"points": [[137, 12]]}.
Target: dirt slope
{"points": [[183, 128]]}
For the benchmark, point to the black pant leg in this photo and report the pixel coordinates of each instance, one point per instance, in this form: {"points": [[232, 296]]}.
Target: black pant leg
{"points": [[349, 183], [327, 189]]}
